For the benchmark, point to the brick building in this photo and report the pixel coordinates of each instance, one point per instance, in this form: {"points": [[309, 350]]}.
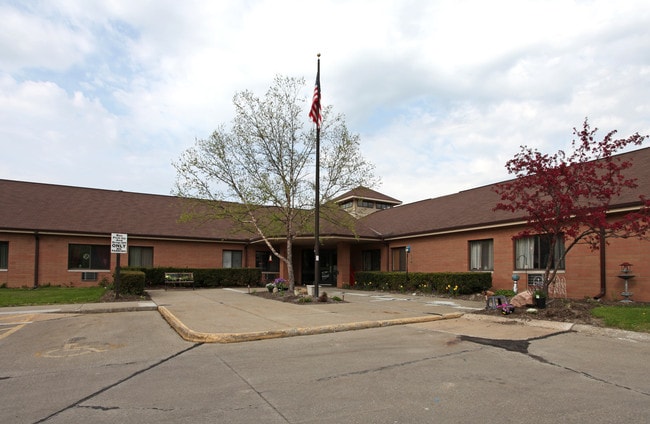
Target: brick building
{"points": [[60, 235]]}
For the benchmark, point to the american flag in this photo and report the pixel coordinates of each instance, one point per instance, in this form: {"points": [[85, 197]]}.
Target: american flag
{"points": [[315, 112]]}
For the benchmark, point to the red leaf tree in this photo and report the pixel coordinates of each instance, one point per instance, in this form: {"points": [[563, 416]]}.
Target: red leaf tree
{"points": [[568, 197]]}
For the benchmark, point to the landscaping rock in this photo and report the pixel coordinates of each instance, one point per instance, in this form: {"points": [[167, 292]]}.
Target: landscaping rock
{"points": [[522, 299]]}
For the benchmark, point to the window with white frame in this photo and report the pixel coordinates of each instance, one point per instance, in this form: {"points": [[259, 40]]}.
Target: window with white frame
{"points": [[481, 255], [533, 252], [140, 256], [89, 256], [232, 259]]}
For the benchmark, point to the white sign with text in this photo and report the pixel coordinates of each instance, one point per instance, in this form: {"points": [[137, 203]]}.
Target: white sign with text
{"points": [[118, 243]]}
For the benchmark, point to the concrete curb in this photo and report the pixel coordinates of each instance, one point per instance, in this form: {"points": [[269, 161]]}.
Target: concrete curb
{"points": [[82, 308], [612, 332], [553, 325], [118, 307], [200, 337], [565, 326]]}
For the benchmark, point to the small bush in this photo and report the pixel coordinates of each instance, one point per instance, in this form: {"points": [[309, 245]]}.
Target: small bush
{"points": [[504, 292], [424, 282], [206, 277], [131, 282]]}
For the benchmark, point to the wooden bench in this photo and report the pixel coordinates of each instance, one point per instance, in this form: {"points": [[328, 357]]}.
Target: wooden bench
{"points": [[180, 278]]}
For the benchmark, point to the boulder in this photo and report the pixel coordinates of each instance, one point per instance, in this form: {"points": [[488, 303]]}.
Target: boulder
{"points": [[522, 299]]}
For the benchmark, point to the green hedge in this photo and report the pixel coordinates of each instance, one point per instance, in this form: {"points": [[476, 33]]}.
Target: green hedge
{"points": [[206, 277], [131, 282], [424, 282]]}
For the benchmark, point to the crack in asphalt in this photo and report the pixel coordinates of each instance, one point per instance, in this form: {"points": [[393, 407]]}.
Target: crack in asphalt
{"points": [[391, 366], [117, 383], [521, 346], [99, 407], [253, 388]]}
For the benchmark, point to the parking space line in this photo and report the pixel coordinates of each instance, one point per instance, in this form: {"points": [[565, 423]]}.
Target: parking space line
{"points": [[14, 325]]}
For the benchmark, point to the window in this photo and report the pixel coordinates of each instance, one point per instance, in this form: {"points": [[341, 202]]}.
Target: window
{"points": [[399, 259], [89, 256], [141, 256], [366, 203], [481, 255], [371, 260], [347, 205], [232, 258], [4, 255], [380, 205], [533, 252]]}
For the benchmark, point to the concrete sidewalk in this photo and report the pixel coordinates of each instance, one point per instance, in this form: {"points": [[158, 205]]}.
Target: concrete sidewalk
{"points": [[232, 315], [227, 315]]}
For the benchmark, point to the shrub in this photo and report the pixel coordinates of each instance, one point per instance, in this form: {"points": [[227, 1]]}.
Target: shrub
{"points": [[206, 277], [425, 282], [131, 282], [505, 292]]}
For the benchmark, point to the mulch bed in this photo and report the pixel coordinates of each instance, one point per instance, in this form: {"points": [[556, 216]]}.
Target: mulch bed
{"points": [[559, 310], [292, 298], [109, 296]]}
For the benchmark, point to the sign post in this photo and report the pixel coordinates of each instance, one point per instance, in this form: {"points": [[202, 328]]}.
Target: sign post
{"points": [[118, 246]]}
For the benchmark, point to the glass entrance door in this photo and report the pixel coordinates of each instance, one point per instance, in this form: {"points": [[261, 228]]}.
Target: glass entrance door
{"points": [[328, 267]]}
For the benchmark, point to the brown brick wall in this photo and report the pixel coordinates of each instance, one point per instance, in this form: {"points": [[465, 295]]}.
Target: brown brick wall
{"points": [[441, 253], [450, 253], [53, 258]]}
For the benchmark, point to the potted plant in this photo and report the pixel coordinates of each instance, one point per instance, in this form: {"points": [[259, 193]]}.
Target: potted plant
{"points": [[539, 297]]}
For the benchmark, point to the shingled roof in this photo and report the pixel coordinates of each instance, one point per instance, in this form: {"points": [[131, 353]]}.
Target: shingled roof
{"points": [[474, 208], [368, 194], [49, 208], [29, 207], [64, 209]]}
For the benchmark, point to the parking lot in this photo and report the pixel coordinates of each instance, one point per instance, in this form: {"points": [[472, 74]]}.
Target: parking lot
{"points": [[132, 367]]}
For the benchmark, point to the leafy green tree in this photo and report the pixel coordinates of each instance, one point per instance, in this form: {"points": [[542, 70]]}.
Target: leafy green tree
{"points": [[259, 171]]}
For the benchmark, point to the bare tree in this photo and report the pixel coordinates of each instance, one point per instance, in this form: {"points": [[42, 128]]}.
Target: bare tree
{"points": [[259, 172]]}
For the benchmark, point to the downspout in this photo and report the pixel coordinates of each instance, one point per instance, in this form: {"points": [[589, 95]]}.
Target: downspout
{"points": [[603, 271], [36, 257]]}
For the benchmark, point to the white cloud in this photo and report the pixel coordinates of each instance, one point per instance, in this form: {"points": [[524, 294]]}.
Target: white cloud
{"points": [[442, 92]]}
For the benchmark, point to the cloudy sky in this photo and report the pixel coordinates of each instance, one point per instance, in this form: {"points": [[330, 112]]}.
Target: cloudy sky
{"points": [[106, 94]]}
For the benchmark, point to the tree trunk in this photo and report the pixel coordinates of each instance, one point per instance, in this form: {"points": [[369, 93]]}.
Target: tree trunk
{"points": [[291, 276]]}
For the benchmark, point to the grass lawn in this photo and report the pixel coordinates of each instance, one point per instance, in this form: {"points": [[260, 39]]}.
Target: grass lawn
{"points": [[632, 317], [50, 295]]}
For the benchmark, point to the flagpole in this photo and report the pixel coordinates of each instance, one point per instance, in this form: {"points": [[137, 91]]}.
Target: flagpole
{"points": [[317, 188]]}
